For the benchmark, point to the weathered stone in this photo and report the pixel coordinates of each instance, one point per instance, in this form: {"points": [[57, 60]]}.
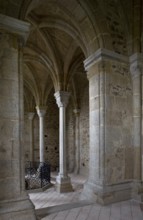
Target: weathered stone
{"points": [[11, 122]]}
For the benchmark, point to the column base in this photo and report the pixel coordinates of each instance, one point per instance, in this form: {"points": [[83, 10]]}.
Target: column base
{"points": [[19, 209], [63, 184], [76, 171], [107, 194], [137, 192]]}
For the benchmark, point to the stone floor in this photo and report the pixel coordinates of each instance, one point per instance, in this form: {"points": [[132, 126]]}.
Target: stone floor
{"points": [[67, 206]]}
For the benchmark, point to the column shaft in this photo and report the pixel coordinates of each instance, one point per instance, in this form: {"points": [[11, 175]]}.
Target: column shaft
{"points": [[41, 132], [41, 111], [137, 126], [63, 183], [62, 136], [136, 72], [136, 67]]}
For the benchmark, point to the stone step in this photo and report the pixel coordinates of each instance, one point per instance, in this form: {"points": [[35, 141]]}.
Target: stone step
{"points": [[41, 213]]}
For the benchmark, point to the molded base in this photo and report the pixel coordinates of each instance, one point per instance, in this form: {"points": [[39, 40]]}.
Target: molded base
{"points": [[107, 194], [18, 209], [63, 184]]}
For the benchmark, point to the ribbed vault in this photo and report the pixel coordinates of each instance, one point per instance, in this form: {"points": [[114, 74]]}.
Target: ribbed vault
{"points": [[64, 33]]}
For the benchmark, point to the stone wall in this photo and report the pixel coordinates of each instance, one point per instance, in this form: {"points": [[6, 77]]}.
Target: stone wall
{"points": [[35, 137], [84, 132], [114, 21], [70, 129], [52, 132], [26, 138]]}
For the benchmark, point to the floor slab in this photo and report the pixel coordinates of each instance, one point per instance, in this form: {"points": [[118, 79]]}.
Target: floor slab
{"points": [[68, 206]]}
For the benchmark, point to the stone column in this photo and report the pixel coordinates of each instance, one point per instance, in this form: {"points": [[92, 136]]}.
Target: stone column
{"points": [[136, 72], [41, 111], [77, 141], [63, 183], [14, 202], [30, 117]]}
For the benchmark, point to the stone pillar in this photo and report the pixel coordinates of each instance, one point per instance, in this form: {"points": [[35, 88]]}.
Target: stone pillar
{"points": [[63, 183], [14, 202], [110, 121], [30, 117], [41, 111], [77, 141], [96, 75], [136, 72]]}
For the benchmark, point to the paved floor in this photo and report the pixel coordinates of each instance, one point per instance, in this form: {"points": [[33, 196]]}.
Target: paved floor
{"points": [[50, 197], [128, 210], [67, 206]]}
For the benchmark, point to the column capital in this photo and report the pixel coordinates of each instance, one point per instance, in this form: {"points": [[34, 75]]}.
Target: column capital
{"points": [[76, 111], [15, 26], [103, 54], [62, 98], [41, 110], [101, 59], [136, 64], [30, 115]]}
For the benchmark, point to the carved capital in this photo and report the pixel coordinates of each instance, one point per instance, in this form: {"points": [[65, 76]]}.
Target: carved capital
{"points": [[76, 112], [30, 115], [41, 110], [62, 98], [104, 54], [15, 26]]}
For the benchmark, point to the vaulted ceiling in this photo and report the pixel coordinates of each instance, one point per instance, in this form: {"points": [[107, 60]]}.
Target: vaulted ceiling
{"points": [[63, 34]]}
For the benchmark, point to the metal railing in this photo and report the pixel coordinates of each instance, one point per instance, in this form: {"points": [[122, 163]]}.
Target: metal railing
{"points": [[37, 175]]}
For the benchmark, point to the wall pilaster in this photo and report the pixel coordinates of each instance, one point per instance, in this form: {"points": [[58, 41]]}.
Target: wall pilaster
{"points": [[31, 117], [77, 141]]}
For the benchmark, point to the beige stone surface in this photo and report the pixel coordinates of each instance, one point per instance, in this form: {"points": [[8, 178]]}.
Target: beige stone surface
{"points": [[92, 50]]}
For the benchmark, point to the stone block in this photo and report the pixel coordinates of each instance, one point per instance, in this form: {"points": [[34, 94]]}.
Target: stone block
{"points": [[17, 209], [10, 187]]}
